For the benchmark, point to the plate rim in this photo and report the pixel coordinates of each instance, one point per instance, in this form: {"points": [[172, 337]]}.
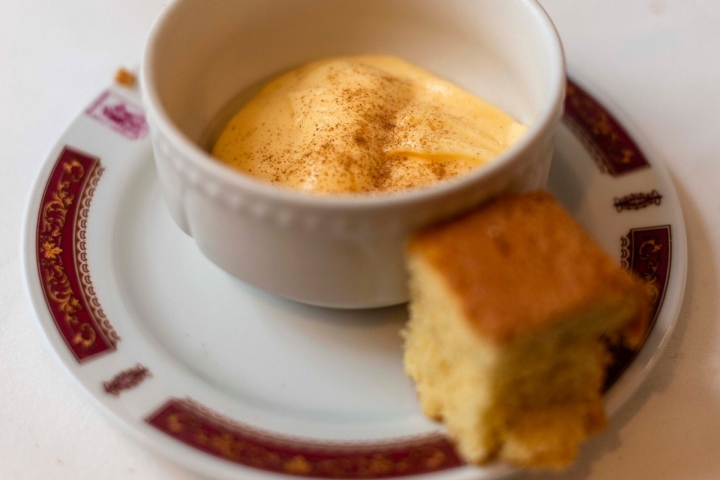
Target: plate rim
{"points": [[618, 395], [631, 381]]}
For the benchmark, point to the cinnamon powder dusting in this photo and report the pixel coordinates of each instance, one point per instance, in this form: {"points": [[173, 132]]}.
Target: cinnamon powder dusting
{"points": [[363, 125]]}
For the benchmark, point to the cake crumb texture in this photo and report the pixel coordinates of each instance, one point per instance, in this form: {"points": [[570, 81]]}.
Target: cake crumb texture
{"points": [[508, 307], [125, 77]]}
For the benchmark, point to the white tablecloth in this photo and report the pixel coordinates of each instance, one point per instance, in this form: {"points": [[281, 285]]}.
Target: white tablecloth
{"points": [[659, 60]]}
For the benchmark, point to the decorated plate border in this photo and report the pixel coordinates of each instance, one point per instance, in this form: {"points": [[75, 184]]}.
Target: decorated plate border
{"points": [[58, 252]]}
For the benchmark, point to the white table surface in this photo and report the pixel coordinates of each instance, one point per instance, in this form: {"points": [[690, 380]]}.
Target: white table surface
{"points": [[659, 60]]}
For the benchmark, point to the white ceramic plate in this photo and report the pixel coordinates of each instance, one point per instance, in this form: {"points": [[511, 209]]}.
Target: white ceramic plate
{"points": [[233, 382]]}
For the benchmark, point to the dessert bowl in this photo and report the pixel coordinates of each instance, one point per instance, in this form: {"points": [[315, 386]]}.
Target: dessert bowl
{"points": [[343, 251]]}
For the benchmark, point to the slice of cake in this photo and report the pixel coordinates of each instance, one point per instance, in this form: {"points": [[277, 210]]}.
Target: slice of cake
{"points": [[508, 304]]}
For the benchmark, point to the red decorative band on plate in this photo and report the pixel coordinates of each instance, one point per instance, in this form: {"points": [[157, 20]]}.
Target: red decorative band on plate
{"points": [[206, 430], [637, 201], [612, 148], [120, 115], [62, 259], [647, 252], [127, 379]]}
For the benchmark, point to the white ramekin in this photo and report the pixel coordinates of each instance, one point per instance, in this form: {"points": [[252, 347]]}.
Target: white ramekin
{"points": [[336, 251]]}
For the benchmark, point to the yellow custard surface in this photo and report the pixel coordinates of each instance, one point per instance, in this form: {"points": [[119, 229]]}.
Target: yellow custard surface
{"points": [[363, 124]]}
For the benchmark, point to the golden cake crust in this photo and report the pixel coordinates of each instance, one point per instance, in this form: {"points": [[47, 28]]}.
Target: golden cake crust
{"points": [[522, 264]]}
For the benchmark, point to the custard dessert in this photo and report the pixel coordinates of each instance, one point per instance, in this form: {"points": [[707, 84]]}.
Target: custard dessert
{"points": [[363, 124], [508, 307]]}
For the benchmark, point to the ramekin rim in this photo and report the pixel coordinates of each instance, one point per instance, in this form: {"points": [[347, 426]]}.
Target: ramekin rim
{"points": [[228, 176]]}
